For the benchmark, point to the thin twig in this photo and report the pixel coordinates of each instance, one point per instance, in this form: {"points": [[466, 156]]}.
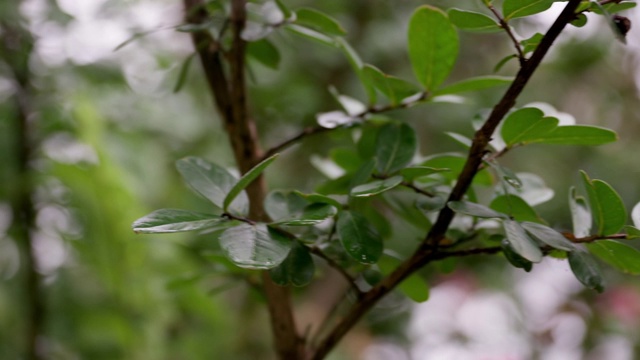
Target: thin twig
{"points": [[309, 131], [333, 264], [425, 252], [408, 185], [507, 29], [592, 238]]}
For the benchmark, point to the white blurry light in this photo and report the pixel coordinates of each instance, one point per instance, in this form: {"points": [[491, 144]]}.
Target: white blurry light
{"points": [[568, 330], [615, 347], [83, 9], [50, 46], [90, 41], [63, 148], [50, 251], [53, 219], [327, 167], [488, 318], [143, 74], [544, 290], [433, 322], [34, 10]]}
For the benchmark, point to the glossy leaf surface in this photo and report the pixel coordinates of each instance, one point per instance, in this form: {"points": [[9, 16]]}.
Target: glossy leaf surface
{"points": [[255, 246], [361, 241], [176, 220], [520, 242], [621, 256], [212, 182], [433, 46], [586, 270]]}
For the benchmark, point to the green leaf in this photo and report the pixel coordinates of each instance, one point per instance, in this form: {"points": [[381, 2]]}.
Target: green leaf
{"points": [[503, 61], [410, 173], [395, 147], [473, 209], [184, 71], [513, 257], [526, 125], [255, 246], [212, 182], [530, 44], [579, 135], [619, 255], [579, 21], [613, 8], [474, 84], [580, 214], [176, 220], [521, 242], [247, 179], [359, 238], [632, 232], [433, 46], [414, 286], [548, 236], [512, 9], [376, 187], [473, 21], [607, 208], [264, 52], [393, 88], [311, 215], [515, 207], [319, 21], [283, 204], [297, 269], [319, 198], [615, 213], [363, 174], [506, 174], [586, 269]]}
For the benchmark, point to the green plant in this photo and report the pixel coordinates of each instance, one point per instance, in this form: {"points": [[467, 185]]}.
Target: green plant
{"points": [[343, 223]]}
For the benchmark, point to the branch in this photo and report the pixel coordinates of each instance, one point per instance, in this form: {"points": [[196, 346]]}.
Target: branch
{"points": [[507, 28], [309, 131], [230, 96], [350, 279], [425, 253]]}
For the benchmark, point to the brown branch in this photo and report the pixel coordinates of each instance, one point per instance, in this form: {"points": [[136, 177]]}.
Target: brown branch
{"points": [[504, 25], [230, 96], [426, 250], [309, 131]]}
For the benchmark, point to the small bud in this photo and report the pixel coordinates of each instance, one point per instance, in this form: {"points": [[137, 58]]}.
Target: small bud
{"points": [[622, 23]]}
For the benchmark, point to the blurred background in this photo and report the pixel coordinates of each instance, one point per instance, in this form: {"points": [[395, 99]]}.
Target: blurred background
{"points": [[89, 135]]}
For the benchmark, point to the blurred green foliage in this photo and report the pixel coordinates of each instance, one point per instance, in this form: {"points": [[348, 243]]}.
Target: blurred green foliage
{"points": [[105, 134]]}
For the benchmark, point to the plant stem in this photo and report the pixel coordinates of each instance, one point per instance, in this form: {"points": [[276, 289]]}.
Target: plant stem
{"points": [[230, 96], [427, 250]]}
